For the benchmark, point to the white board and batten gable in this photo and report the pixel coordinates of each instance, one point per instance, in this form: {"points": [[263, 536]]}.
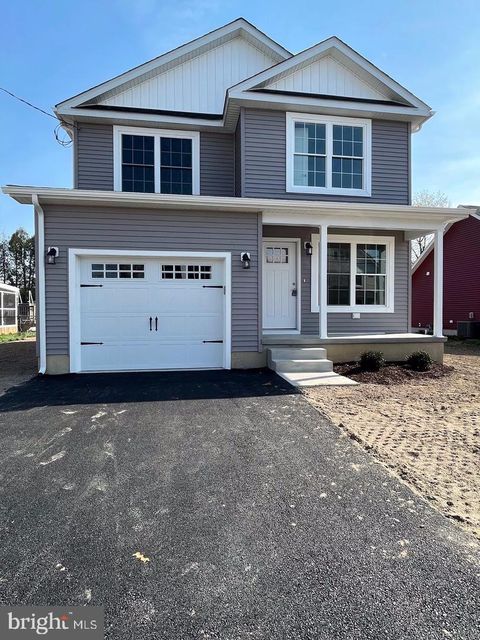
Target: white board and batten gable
{"points": [[326, 76], [204, 83], [331, 78], [198, 85], [192, 79]]}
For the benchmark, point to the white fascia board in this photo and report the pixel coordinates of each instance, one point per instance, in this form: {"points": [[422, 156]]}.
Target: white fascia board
{"points": [[320, 105], [157, 63], [322, 48], [8, 287], [133, 118], [283, 211], [353, 219]]}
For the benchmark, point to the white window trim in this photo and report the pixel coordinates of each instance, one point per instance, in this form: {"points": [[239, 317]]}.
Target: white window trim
{"points": [[329, 121], [194, 136], [353, 240]]}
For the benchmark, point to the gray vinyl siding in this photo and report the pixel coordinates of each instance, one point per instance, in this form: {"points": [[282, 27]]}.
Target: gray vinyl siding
{"points": [[93, 160], [217, 164], [264, 157], [238, 159], [93, 164], [145, 229], [342, 323]]}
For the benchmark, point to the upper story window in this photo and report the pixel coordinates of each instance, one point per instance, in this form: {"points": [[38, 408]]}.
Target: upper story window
{"points": [[156, 161], [328, 155]]}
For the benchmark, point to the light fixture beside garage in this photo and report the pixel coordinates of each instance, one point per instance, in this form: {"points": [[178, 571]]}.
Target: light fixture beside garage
{"points": [[246, 259], [52, 255]]}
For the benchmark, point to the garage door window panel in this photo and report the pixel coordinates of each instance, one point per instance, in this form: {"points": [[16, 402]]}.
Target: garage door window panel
{"points": [[186, 272], [124, 271]]}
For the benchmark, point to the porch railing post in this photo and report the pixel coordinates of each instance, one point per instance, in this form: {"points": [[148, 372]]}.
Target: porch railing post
{"points": [[322, 280], [438, 284]]}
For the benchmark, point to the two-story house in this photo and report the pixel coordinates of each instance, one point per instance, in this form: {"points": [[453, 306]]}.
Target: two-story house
{"points": [[230, 196]]}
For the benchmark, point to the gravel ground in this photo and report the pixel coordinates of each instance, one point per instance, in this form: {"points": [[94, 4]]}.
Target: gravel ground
{"points": [[426, 430]]}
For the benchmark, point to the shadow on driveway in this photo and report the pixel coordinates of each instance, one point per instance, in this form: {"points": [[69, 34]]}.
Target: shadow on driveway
{"points": [[112, 388]]}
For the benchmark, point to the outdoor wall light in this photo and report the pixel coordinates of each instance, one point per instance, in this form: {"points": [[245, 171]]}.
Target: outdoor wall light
{"points": [[246, 259], [52, 254], [308, 248]]}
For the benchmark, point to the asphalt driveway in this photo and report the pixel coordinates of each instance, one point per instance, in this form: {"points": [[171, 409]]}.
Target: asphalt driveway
{"points": [[258, 517]]}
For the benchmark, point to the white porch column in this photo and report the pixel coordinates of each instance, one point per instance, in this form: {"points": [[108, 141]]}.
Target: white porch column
{"points": [[438, 284], [322, 281]]}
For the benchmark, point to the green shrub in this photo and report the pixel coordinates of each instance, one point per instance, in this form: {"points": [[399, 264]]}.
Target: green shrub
{"points": [[420, 361], [372, 360]]}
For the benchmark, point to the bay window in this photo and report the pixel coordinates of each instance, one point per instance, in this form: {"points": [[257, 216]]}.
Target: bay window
{"points": [[328, 154], [156, 161]]}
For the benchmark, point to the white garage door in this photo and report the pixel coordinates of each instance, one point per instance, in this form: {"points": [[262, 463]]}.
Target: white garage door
{"points": [[151, 313]]}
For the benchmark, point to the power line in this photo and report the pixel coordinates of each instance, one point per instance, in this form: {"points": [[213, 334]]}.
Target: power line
{"points": [[61, 141], [28, 103]]}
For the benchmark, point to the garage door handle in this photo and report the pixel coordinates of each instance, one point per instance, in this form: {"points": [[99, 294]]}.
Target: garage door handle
{"points": [[150, 323], [156, 323]]}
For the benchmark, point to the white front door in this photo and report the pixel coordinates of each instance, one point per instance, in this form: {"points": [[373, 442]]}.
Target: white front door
{"points": [[142, 313], [279, 285]]}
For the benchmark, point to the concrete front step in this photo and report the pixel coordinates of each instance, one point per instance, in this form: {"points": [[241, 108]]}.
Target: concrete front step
{"points": [[315, 379], [302, 365], [296, 353]]}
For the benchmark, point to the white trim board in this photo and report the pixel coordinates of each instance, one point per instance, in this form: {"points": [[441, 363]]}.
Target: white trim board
{"points": [[74, 292], [156, 134], [390, 280], [8, 288], [275, 211]]}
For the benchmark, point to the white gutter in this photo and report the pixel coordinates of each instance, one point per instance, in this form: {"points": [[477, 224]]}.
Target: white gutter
{"points": [[42, 343], [437, 215]]}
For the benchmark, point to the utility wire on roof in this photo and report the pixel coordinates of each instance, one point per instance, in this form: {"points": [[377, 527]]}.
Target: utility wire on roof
{"points": [[65, 142]]}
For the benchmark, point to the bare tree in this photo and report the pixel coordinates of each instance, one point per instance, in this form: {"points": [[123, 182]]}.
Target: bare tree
{"points": [[426, 198]]}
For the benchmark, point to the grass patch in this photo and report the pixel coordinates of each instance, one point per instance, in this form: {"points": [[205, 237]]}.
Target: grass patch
{"points": [[13, 337]]}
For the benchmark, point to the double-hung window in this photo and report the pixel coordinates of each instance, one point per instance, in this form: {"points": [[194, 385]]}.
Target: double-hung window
{"points": [[156, 161], [360, 274], [328, 154]]}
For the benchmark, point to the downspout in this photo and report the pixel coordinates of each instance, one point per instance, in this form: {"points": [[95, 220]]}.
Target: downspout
{"points": [[41, 285]]}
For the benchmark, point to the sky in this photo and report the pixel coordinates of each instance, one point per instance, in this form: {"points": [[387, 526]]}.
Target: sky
{"points": [[51, 50]]}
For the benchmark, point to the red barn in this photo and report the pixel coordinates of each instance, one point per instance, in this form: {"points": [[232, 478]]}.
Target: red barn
{"points": [[461, 277]]}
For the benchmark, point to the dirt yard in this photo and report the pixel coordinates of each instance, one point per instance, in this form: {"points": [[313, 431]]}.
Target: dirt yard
{"points": [[17, 363], [427, 430]]}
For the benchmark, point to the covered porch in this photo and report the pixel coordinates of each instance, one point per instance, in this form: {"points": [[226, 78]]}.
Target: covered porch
{"points": [[337, 276]]}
